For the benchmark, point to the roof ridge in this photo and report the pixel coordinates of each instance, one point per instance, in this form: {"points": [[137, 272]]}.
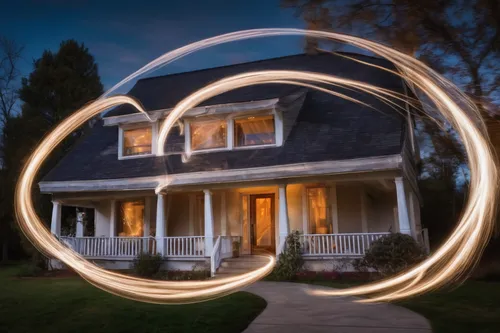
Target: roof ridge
{"points": [[320, 53]]}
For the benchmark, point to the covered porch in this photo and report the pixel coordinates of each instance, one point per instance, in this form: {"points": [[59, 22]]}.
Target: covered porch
{"points": [[337, 217]]}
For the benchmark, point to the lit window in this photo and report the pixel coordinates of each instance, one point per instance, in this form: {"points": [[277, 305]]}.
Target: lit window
{"points": [[318, 211], [137, 141], [131, 218], [253, 131], [208, 134]]}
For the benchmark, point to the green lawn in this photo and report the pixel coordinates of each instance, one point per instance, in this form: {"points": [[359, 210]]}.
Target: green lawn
{"points": [[473, 307], [72, 305]]}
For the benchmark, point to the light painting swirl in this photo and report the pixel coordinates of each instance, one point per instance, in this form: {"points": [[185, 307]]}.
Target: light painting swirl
{"points": [[450, 262]]}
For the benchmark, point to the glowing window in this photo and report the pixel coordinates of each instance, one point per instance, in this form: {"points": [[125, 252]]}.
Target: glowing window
{"points": [[208, 134], [137, 141], [319, 221], [253, 131], [131, 218]]}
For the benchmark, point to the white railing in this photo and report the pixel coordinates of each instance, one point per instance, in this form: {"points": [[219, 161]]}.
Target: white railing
{"points": [[188, 246], [338, 244], [122, 247], [223, 249]]}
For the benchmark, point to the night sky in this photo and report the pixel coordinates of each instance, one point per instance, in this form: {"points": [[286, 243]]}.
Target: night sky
{"points": [[125, 37]]}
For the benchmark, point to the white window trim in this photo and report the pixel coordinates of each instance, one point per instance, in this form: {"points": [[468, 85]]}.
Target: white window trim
{"points": [[230, 145], [306, 223], [154, 140]]}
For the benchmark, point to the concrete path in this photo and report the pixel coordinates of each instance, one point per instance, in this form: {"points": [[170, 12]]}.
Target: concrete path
{"points": [[291, 309]]}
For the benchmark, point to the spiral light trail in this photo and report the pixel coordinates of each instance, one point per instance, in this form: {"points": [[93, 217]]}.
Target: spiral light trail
{"points": [[450, 262]]}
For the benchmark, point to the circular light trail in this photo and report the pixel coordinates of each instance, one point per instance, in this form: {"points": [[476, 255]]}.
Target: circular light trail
{"points": [[450, 262]]}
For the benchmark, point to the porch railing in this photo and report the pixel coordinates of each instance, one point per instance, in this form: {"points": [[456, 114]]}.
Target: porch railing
{"points": [[125, 247], [338, 244], [187, 246], [223, 249]]}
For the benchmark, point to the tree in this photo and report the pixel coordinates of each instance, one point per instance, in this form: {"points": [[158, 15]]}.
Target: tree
{"points": [[60, 83], [10, 54], [460, 38]]}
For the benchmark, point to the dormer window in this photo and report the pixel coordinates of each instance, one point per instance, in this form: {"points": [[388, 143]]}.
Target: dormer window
{"points": [[254, 131], [208, 134], [137, 141]]}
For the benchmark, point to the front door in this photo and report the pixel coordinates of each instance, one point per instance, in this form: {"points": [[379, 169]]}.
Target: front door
{"points": [[262, 223]]}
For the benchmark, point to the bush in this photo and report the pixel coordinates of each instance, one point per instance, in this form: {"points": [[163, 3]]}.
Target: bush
{"points": [[290, 261], [391, 254], [147, 265]]}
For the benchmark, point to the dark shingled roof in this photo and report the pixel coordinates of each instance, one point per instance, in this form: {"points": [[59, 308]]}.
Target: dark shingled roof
{"points": [[324, 128]]}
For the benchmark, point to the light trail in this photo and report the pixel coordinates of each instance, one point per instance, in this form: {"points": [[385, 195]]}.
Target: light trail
{"points": [[450, 262]]}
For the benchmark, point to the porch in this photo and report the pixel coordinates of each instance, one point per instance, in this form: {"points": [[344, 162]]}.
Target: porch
{"points": [[337, 218]]}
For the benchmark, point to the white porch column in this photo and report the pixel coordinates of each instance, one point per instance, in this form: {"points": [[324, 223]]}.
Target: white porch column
{"points": [[223, 214], [112, 219], [283, 225], [403, 217], [79, 223], [209, 223], [160, 223], [55, 223]]}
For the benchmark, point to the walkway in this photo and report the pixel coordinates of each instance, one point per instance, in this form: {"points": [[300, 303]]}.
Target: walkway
{"points": [[291, 309]]}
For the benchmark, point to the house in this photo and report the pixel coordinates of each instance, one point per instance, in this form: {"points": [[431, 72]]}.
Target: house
{"points": [[249, 166]]}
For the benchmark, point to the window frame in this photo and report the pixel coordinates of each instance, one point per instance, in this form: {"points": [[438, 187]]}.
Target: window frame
{"points": [[118, 219], [307, 206], [154, 139], [188, 134], [234, 119], [229, 119]]}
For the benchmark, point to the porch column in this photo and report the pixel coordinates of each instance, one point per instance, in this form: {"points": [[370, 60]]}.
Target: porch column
{"points": [[283, 225], [55, 223], [112, 219], [223, 214], [403, 217], [209, 223], [160, 223], [79, 223]]}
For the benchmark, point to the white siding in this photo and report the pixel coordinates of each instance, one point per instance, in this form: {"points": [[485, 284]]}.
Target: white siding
{"points": [[178, 220], [349, 208], [294, 201], [102, 218]]}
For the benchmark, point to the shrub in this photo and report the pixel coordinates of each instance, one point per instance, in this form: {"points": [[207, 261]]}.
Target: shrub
{"points": [[147, 265], [391, 254], [290, 261]]}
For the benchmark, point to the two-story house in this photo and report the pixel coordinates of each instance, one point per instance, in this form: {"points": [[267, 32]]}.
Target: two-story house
{"points": [[249, 165]]}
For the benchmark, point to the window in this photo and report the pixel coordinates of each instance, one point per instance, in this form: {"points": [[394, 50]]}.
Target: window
{"points": [[137, 141], [131, 218], [253, 131], [319, 222], [208, 134]]}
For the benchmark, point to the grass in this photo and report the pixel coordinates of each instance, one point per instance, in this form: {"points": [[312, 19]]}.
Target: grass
{"points": [[473, 307], [72, 305]]}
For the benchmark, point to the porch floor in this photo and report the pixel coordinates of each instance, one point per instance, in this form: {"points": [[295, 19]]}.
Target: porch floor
{"points": [[290, 308]]}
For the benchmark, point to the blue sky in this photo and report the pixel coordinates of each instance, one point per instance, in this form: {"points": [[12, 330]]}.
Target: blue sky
{"points": [[124, 35]]}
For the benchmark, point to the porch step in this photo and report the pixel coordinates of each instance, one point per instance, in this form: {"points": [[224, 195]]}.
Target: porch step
{"points": [[241, 265]]}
